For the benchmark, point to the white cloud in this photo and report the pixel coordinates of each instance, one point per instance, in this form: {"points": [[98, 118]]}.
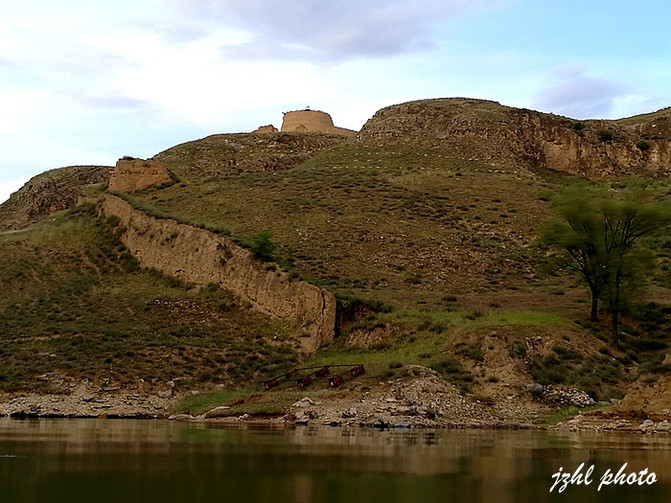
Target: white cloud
{"points": [[20, 108], [86, 81], [581, 96], [327, 30], [8, 187]]}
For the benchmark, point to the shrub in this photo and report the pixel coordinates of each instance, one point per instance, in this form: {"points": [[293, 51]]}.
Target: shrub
{"points": [[605, 135], [643, 145], [262, 247]]}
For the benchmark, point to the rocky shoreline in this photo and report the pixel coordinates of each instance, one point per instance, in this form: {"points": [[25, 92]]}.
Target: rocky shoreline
{"points": [[422, 400], [86, 401]]}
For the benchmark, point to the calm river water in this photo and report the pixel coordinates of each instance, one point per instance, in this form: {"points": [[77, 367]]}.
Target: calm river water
{"points": [[53, 460]]}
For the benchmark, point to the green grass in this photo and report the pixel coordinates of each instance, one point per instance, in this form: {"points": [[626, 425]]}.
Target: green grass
{"points": [[196, 404], [82, 308], [566, 412], [642, 118], [378, 208], [439, 234]]}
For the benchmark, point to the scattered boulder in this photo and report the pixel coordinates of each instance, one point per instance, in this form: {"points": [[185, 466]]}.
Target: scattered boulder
{"points": [[380, 424]]}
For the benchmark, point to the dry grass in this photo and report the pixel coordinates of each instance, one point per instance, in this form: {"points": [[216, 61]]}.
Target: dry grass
{"points": [[79, 307], [442, 239]]}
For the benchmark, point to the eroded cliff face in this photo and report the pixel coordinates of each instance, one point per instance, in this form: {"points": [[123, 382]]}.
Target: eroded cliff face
{"points": [[49, 192], [488, 132], [202, 257], [593, 149], [652, 399]]}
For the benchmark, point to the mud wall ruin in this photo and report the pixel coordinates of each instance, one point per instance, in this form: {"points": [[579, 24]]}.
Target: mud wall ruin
{"points": [[131, 175], [201, 257], [312, 121]]}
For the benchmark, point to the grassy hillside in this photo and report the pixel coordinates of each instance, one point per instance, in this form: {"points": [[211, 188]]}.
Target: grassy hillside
{"points": [[664, 113], [443, 246], [428, 244], [393, 220], [75, 305]]}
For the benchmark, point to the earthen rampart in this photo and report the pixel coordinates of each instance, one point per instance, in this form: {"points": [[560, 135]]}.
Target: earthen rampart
{"points": [[201, 257], [130, 175]]}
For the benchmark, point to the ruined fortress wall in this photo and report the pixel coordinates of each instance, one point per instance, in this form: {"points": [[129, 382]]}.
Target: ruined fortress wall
{"points": [[130, 175], [312, 121], [266, 129], [202, 257]]}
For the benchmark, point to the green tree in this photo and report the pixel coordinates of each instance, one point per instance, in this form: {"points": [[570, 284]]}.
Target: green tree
{"points": [[599, 236]]}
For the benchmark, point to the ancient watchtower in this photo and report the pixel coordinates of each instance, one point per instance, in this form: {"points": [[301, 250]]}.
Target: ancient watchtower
{"points": [[312, 121]]}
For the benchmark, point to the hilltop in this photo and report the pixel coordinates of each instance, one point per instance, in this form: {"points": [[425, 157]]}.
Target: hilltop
{"points": [[503, 136], [48, 193], [422, 226]]}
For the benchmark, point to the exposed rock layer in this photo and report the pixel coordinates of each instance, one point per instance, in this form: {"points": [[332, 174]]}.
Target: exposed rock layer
{"points": [[489, 132], [201, 257], [48, 193]]}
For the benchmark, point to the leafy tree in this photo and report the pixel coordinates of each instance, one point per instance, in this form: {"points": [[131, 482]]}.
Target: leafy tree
{"points": [[599, 237]]}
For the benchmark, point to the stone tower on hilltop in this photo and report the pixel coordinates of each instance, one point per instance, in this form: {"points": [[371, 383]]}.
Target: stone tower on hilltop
{"points": [[312, 121]]}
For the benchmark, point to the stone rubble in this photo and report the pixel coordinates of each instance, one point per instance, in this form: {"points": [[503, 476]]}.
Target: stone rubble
{"points": [[566, 395], [422, 401], [86, 400]]}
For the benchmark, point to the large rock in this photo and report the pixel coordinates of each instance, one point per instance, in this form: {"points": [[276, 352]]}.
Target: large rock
{"points": [[651, 398]]}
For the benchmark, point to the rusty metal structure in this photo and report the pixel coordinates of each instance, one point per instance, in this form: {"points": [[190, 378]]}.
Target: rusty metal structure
{"points": [[304, 377]]}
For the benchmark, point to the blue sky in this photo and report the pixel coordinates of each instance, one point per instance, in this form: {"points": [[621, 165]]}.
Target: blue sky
{"points": [[89, 81]]}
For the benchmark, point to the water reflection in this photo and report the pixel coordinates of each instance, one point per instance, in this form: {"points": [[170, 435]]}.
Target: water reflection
{"points": [[120, 460]]}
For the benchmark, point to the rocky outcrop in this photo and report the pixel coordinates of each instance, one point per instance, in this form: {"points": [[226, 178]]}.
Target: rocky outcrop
{"points": [[651, 398], [131, 175], [312, 121], [201, 257], [490, 133], [49, 192]]}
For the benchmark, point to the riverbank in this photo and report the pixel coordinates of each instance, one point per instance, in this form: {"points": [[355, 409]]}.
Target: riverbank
{"points": [[422, 399], [86, 401]]}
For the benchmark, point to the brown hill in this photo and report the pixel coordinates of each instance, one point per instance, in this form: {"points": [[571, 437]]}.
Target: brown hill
{"points": [[423, 228], [48, 193], [502, 136]]}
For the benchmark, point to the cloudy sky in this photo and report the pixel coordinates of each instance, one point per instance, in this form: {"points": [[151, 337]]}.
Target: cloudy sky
{"points": [[89, 81]]}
